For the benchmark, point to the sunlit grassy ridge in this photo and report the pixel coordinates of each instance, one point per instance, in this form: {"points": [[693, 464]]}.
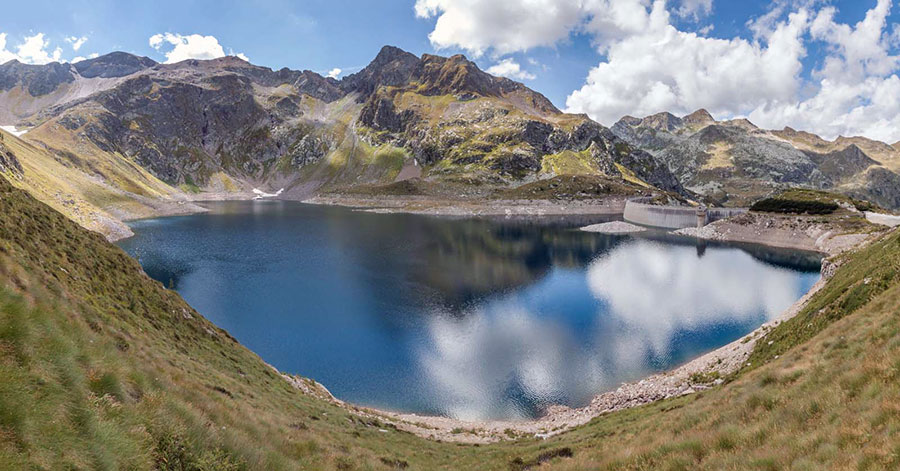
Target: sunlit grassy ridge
{"points": [[103, 368]]}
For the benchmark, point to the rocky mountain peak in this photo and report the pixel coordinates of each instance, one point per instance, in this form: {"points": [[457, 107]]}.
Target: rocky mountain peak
{"points": [[39, 80], [389, 54], [698, 118], [863, 142], [456, 74], [392, 67], [664, 121], [114, 64], [742, 123], [630, 120]]}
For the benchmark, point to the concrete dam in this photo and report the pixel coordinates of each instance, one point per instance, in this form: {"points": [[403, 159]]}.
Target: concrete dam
{"points": [[639, 211]]}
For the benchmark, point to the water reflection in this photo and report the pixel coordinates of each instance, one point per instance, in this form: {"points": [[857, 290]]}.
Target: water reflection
{"points": [[470, 318], [658, 291], [645, 306]]}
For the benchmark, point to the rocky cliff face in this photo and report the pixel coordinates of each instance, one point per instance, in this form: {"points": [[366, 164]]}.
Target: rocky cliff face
{"points": [[9, 163], [227, 125], [193, 122], [37, 80], [735, 162], [457, 119], [115, 64]]}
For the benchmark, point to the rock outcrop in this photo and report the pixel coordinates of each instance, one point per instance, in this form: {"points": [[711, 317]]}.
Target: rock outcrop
{"points": [[9, 164], [735, 162]]}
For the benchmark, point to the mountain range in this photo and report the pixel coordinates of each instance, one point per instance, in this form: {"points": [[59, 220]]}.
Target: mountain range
{"points": [[734, 162], [122, 136], [104, 368]]}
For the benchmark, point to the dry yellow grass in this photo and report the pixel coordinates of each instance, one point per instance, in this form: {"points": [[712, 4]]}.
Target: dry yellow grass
{"points": [[103, 368], [719, 156]]}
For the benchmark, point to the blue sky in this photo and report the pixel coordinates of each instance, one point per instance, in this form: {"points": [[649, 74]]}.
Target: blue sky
{"points": [[555, 60]]}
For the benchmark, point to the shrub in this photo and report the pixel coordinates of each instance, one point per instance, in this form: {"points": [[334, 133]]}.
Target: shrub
{"points": [[790, 206]]}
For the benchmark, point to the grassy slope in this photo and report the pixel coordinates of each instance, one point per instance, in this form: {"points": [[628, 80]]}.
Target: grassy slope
{"points": [[116, 170], [86, 189], [800, 201], [104, 368]]}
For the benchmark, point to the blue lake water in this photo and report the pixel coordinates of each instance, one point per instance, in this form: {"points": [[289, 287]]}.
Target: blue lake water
{"points": [[470, 318]]}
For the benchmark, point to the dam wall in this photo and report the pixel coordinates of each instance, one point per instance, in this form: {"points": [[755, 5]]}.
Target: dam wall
{"points": [[637, 211]]}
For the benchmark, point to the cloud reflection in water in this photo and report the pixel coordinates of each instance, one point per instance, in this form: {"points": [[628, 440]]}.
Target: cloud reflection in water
{"points": [[649, 305]]}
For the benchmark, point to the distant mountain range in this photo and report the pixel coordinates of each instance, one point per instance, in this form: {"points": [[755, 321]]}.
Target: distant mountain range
{"points": [[112, 136], [734, 162]]}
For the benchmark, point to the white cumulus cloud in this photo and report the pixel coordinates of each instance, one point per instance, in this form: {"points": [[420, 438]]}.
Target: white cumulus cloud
{"points": [[191, 46], [660, 68], [334, 73], [82, 58], [510, 69], [650, 65], [5, 56], [32, 50], [694, 8], [76, 42], [502, 25], [857, 90]]}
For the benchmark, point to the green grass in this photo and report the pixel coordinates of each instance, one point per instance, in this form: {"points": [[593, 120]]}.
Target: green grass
{"points": [[802, 201], [567, 187], [864, 276], [103, 368], [569, 163]]}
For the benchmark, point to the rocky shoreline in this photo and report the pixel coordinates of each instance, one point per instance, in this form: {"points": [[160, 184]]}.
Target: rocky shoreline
{"points": [[801, 233], [697, 375], [470, 207], [810, 233]]}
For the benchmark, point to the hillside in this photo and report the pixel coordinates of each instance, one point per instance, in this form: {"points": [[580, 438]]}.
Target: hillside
{"points": [[112, 189], [104, 368], [735, 162], [224, 126]]}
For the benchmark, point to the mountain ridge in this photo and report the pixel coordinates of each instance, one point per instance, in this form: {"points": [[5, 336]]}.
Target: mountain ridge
{"points": [[219, 128], [225, 125], [735, 162]]}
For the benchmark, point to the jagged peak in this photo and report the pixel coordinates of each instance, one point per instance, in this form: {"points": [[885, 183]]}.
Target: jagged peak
{"points": [[629, 120], [700, 116], [224, 61], [855, 139], [390, 53], [392, 67], [232, 60], [114, 64], [663, 121], [742, 123], [118, 56]]}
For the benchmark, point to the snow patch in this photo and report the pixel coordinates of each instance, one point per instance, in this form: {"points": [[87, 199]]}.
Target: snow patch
{"points": [[262, 194], [12, 130]]}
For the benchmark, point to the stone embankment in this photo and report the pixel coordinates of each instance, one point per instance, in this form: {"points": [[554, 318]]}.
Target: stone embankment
{"points": [[812, 233], [640, 211]]}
